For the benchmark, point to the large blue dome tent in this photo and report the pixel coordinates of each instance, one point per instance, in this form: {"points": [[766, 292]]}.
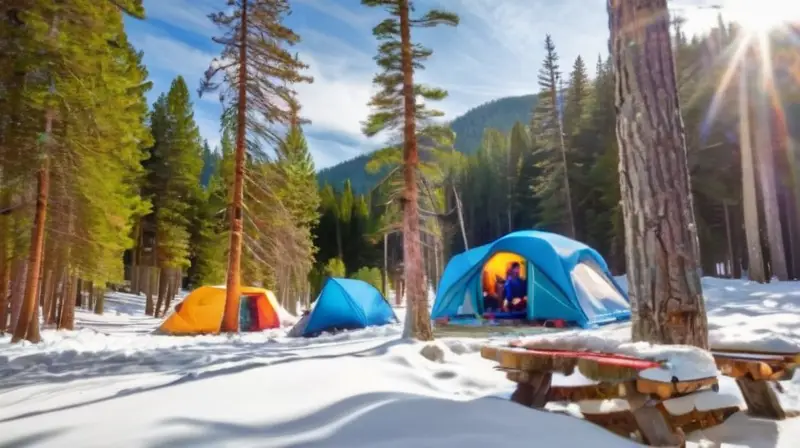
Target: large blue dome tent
{"points": [[345, 304], [566, 280]]}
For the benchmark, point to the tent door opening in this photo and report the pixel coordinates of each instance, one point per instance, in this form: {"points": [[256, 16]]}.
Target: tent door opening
{"points": [[249, 315], [495, 276]]}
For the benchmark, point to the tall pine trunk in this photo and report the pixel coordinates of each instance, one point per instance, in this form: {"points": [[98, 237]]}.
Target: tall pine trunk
{"points": [[28, 324], [755, 253], [19, 274], [563, 150], [230, 318], [765, 162], [729, 238], [418, 322], [5, 267], [662, 250], [66, 320]]}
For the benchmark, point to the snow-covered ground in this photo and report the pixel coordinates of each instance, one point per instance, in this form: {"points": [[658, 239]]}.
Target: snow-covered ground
{"points": [[113, 383]]}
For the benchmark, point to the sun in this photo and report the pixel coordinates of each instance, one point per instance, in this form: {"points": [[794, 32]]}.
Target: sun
{"points": [[760, 16]]}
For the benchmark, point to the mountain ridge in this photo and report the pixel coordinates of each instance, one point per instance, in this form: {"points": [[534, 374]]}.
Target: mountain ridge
{"points": [[500, 113]]}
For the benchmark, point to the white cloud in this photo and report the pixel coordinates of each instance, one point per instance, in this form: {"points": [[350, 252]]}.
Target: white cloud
{"points": [[172, 55], [189, 15], [337, 10]]}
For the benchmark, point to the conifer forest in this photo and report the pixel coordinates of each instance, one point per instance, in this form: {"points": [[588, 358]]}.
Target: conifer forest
{"points": [[102, 189]]}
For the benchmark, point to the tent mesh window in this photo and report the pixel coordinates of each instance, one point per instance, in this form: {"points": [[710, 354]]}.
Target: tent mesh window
{"points": [[596, 294]]}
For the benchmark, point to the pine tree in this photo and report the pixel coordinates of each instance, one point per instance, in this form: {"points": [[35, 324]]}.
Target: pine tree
{"points": [[176, 180], [395, 107], [65, 48], [525, 204], [552, 187], [299, 192], [210, 162], [258, 72]]}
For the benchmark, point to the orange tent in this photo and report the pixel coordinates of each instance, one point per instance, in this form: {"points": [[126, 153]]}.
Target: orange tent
{"points": [[201, 311]]}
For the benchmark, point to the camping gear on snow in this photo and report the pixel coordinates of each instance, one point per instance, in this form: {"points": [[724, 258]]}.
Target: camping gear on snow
{"points": [[201, 311], [345, 304], [568, 282]]}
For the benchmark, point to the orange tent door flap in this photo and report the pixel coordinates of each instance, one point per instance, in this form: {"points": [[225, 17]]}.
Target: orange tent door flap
{"points": [[265, 316]]}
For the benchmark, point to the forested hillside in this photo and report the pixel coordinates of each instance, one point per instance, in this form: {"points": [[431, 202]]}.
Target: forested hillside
{"points": [[498, 114]]}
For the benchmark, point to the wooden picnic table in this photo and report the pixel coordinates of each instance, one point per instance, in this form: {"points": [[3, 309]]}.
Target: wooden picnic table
{"points": [[757, 375], [614, 377]]}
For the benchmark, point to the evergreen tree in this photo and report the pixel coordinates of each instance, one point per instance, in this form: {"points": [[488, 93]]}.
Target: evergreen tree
{"points": [[552, 186], [258, 72], [395, 107], [525, 204], [176, 181], [60, 50], [210, 162], [300, 195]]}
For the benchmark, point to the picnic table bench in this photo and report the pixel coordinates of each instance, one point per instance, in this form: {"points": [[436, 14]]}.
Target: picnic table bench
{"points": [[757, 375], [642, 404]]}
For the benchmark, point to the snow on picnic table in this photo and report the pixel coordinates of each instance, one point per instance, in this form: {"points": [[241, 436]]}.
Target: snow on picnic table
{"points": [[113, 383]]}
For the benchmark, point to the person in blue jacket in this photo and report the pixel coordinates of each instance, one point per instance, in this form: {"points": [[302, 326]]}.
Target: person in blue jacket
{"points": [[516, 290]]}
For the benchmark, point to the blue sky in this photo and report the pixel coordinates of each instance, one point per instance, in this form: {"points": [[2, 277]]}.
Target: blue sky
{"points": [[495, 52]]}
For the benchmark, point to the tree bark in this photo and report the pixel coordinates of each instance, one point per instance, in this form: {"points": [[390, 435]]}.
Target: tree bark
{"points": [[163, 289], [385, 262], [5, 276], [755, 253], [564, 164], [26, 328], [461, 219], [90, 296], [661, 249], [19, 274], [418, 322], [67, 319], [729, 238], [148, 289], [47, 293], [59, 294], [230, 318], [99, 300], [769, 195], [172, 290]]}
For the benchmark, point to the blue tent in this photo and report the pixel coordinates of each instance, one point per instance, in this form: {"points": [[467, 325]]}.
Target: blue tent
{"points": [[348, 304], [566, 280]]}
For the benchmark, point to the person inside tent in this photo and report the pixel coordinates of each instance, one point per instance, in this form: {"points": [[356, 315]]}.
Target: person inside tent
{"points": [[516, 290]]}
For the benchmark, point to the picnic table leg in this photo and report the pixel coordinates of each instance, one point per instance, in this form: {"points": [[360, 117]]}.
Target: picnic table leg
{"points": [[655, 427], [760, 398], [533, 392]]}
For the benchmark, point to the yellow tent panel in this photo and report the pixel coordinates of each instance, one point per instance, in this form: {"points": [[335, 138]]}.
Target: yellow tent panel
{"points": [[201, 311], [497, 267]]}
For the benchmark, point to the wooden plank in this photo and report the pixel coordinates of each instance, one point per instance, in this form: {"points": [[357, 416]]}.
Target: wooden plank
{"points": [[673, 389], [602, 391], [757, 365], [760, 398]]}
